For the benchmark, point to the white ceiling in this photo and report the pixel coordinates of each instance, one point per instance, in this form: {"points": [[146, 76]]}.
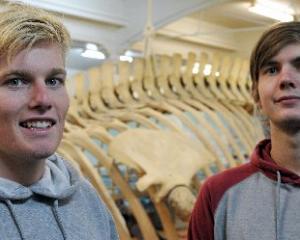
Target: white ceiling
{"points": [[180, 26]]}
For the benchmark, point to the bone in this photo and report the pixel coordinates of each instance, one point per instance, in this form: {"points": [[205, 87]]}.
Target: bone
{"points": [[164, 158]]}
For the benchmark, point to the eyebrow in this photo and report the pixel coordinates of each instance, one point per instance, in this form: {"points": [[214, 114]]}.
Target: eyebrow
{"points": [[269, 63], [53, 71], [14, 72], [273, 62], [296, 60]]}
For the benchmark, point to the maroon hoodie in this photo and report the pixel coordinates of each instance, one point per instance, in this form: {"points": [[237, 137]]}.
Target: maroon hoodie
{"points": [[257, 200]]}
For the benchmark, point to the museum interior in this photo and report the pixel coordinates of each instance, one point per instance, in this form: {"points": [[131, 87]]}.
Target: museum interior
{"points": [[160, 99]]}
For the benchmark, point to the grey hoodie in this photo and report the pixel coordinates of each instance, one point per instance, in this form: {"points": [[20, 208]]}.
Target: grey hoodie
{"points": [[60, 206]]}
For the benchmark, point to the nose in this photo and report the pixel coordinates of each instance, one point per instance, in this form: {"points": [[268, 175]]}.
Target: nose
{"points": [[39, 98], [287, 78], [286, 84]]}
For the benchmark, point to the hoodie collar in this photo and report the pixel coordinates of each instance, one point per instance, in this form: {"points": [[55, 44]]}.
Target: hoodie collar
{"points": [[261, 158], [59, 181]]}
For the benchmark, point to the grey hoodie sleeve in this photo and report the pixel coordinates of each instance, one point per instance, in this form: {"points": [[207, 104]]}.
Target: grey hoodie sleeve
{"points": [[112, 231]]}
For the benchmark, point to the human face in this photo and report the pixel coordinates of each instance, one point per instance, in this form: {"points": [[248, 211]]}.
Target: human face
{"points": [[279, 88], [33, 103]]}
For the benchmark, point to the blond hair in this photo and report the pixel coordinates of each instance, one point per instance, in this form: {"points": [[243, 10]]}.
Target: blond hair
{"points": [[22, 26]]}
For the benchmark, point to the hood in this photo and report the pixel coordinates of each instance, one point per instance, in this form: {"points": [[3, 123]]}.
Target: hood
{"points": [[262, 159], [58, 182]]}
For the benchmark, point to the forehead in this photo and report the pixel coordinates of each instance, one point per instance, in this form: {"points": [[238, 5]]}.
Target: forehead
{"points": [[42, 57], [287, 53]]}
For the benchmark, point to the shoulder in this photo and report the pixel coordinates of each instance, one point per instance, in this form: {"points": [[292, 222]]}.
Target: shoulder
{"points": [[95, 208], [87, 192], [83, 188], [87, 200], [227, 178], [201, 224], [217, 185]]}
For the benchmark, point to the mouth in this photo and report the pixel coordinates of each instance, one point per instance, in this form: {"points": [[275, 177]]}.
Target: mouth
{"points": [[287, 98], [38, 124]]}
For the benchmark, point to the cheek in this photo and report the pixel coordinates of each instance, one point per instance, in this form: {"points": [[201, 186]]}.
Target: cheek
{"points": [[262, 94], [63, 104], [9, 107], [9, 115], [259, 95]]}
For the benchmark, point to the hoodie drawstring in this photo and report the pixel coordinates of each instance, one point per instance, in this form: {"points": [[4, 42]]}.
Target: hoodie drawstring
{"points": [[58, 219], [13, 216], [277, 205], [55, 213]]}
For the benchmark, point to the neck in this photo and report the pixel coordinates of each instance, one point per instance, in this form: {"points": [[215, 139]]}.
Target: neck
{"points": [[286, 149], [23, 172]]}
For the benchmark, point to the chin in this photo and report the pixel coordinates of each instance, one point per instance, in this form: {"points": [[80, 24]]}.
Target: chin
{"points": [[42, 151], [38, 155], [291, 125], [42, 154]]}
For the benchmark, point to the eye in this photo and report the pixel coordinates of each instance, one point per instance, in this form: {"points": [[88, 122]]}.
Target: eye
{"points": [[55, 82], [270, 70], [296, 64], [16, 82]]}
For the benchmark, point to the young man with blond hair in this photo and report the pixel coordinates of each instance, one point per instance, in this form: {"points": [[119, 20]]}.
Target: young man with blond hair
{"points": [[41, 195]]}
